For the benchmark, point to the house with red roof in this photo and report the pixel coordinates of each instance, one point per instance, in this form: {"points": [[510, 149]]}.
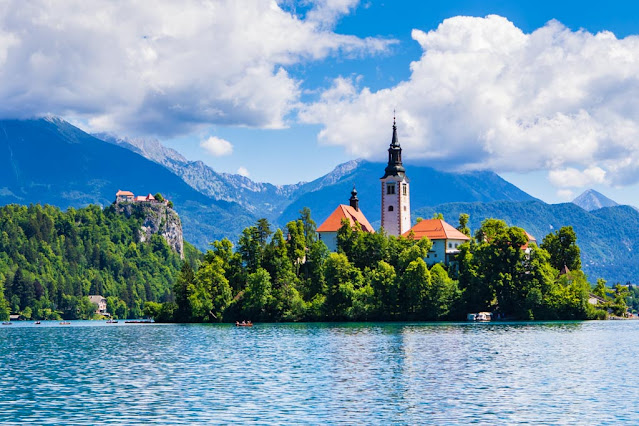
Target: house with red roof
{"points": [[327, 231], [446, 239], [121, 196]]}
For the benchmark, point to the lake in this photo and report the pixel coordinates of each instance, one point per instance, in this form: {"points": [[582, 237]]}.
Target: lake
{"points": [[90, 372]]}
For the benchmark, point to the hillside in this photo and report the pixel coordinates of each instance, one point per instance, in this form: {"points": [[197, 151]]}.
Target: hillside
{"points": [[608, 236], [428, 187], [49, 161], [51, 260]]}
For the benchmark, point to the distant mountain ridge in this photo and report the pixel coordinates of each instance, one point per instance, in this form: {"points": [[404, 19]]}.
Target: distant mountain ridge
{"points": [[592, 200], [51, 161]]}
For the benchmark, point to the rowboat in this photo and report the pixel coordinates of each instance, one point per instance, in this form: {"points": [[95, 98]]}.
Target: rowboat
{"points": [[243, 324]]}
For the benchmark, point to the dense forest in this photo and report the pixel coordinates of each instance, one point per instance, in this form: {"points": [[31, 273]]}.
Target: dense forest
{"points": [[288, 275], [50, 261]]}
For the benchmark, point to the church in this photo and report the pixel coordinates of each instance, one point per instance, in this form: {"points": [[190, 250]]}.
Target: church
{"points": [[395, 213]]}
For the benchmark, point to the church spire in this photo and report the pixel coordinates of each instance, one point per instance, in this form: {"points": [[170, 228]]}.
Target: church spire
{"points": [[354, 201], [395, 167]]}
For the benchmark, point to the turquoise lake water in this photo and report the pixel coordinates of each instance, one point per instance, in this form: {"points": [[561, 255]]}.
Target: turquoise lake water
{"points": [[377, 373]]}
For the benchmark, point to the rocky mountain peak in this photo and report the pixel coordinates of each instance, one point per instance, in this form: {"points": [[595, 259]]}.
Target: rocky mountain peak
{"points": [[591, 200]]}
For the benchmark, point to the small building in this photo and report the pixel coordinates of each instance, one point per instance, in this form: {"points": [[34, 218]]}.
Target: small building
{"points": [[446, 240], [144, 199], [327, 231], [122, 196], [593, 299], [100, 302], [531, 240]]}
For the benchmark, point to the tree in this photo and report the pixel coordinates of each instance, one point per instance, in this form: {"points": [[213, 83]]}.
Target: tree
{"points": [[383, 281], [181, 288], [463, 224], [309, 226], [341, 281], [159, 197], [296, 243], [210, 294], [563, 249], [600, 289], [438, 216], [257, 296], [416, 284]]}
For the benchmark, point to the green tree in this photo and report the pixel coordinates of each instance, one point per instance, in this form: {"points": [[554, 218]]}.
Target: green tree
{"points": [[309, 226], [563, 249], [258, 295], [463, 224], [181, 288]]}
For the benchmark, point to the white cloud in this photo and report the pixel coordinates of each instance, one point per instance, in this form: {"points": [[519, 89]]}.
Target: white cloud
{"points": [[243, 171], [164, 69], [485, 95], [327, 12], [217, 147], [566, 194], [573, 178]]}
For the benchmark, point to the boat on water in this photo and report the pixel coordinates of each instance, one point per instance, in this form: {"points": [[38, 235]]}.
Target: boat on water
{"points": [[480, 317], [37, 322], [243, 324], [138, 321], [112, 321], [6, 323], [65, 323]]}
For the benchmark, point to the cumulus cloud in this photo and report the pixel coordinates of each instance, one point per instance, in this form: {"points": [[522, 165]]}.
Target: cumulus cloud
{"points": [[164, 68], [217, 147], [485, 95], [243, 171], [327, 12]]}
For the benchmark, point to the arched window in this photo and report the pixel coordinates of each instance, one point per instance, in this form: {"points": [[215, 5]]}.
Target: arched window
{"points": [[390, 208]]}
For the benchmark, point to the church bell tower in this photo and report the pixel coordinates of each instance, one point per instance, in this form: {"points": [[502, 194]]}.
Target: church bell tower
{"points": [[395, 191]]}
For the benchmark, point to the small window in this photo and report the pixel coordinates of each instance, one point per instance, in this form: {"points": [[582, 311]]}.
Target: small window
{"points": [[404, 208], [390, 208], [390, 189], [450, 245], [404, 189]]}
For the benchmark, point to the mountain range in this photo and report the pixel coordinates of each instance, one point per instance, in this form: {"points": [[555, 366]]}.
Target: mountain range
{"points": [[50, 161]]}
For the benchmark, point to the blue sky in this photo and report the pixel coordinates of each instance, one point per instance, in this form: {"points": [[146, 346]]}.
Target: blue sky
{"points": [[541, 92]]}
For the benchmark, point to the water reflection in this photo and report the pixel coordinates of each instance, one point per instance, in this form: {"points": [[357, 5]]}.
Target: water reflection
{"points": [[568, 372]]}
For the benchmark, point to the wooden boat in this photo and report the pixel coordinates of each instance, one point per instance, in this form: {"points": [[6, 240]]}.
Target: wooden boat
{"points": [[65, 323], [6, 323], [37, 322], [243, 324], [112, 321]]}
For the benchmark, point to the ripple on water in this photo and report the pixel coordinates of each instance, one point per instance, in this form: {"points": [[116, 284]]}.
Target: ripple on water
{"points": [[319, 373]]}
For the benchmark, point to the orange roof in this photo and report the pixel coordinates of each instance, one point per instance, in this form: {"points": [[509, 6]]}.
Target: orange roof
{"points": [[531, 239], [435, 229], [150, 197], [140, 198], [123, 193], [334, 221]]}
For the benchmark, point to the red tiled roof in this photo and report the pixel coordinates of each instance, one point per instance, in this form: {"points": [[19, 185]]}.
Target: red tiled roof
{"points": [[123, 193], [531, 239], [150, 197], [435, 229], [140, 198], [334, 221]]}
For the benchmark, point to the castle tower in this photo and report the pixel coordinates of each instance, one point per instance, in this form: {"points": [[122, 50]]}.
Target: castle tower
{"points": [[395, 191]]}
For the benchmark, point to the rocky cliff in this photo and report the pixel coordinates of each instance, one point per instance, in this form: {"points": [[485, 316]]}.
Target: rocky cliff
{"points": [[157, 218]]}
